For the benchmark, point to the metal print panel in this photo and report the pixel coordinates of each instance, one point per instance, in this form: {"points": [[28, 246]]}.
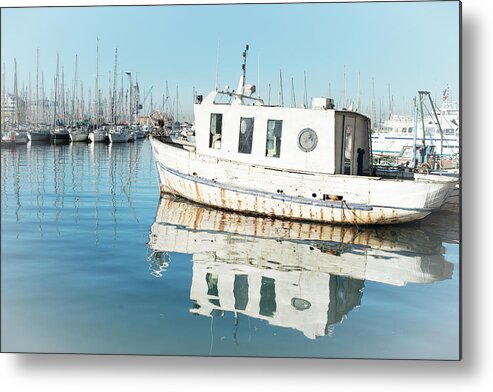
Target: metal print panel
{"points": [[263, 180]]}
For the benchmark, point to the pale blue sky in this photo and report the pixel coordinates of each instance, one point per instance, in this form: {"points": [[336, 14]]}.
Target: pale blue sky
{"points": [[411, 46]]}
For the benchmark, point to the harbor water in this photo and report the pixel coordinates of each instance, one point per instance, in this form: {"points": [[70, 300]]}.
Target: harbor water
{"points": [[93, 261]]}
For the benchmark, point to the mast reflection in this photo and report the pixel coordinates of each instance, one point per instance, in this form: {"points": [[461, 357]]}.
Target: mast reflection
{"points": [[297, 275]]}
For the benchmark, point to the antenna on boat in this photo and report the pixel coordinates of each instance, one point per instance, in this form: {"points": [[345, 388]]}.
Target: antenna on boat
{"points": [[241, 85]]}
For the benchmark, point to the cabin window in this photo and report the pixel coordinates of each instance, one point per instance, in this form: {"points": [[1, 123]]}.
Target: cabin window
{"points": [[267, 305], [240, 291], [246, 135], [348, 150], [274, 133], [216, 130], [212, 280]]}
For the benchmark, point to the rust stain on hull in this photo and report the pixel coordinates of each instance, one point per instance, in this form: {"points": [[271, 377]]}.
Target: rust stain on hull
{"points": [[223, 197], [197, 192]]}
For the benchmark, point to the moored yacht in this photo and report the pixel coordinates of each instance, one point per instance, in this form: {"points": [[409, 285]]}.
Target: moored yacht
{"points": [[14, 137], [98, 135], [439, 130], [60, 134], [295, 163], [79, 134], [119, 134], [39, 134]]}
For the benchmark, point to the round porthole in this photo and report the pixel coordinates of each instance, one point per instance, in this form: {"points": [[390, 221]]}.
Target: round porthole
{"points": [[307, 140], [300, 304]]}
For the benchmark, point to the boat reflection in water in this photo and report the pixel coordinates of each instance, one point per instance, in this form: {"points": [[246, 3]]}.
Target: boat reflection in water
{"points": [[298, 275]]}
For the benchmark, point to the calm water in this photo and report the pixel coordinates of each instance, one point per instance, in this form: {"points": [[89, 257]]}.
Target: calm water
{"points": [[94, 262]]}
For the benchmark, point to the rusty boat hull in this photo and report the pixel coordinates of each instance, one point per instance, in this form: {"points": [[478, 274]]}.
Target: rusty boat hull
{"points": [[297, 195]]}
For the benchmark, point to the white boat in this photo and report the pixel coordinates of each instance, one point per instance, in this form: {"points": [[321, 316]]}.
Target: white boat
{"points": [[79, 135], [397, 132], [295, 163], [119, 135], [98, 135], [14, 137], [318, 271], [137, 132]]}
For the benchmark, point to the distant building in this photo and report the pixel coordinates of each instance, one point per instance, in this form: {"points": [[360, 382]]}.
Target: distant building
{"points": [[9, 106]]}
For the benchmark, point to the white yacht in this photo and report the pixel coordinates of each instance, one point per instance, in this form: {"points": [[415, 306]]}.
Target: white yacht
{"points": [[14, 137], [79, 134], [398, 132], [295, 163], [119, 134], [98, 135]]}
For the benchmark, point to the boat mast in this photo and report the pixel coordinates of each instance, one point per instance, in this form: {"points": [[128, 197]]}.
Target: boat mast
{"points": [[345, 96], [241, 85], [439, 128], [113, 104], [37, 88], [29, 107], [43, 106], [96, 91], [415, 131], [359, 92], [129, 74], [62, 96], [56, 89], [421, 99], [281, 92], [75, 106], [16, 95], [293, 96], [3, 98], [305, 91], [373, 104]]}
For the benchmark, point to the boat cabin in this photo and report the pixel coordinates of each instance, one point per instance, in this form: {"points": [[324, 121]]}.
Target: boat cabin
{"points": [[317, 139]]}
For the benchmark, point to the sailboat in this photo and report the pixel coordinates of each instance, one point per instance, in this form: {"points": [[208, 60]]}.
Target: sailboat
{"points": [[13, 136]]}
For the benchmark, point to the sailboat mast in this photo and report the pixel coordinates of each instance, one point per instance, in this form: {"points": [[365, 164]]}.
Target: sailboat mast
{"points": [[16, 95], [176, 103], [37, 87], [56, 89], [75, 106], [62, 96], [3, 98], [293, 96], [305, 92], [113, 108], [29, 107], [96, 91], [281, 92]]}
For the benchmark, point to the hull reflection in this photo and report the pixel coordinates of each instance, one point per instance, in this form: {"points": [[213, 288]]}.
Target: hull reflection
{"points": [[299, 275]]}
